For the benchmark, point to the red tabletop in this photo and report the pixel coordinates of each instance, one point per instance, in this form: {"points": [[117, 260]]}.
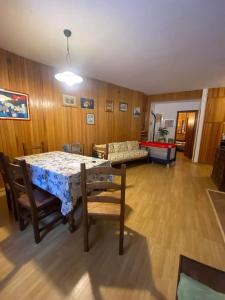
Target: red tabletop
{"points": [[157, 145]]}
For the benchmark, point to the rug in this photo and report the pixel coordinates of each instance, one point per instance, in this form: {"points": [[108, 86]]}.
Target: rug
{"points": [[217, 200]]}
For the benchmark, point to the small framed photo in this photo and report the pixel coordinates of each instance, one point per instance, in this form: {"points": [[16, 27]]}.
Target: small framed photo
{"points": [[123, 106], [169, 123], [90, 119], [69, 100], [87, 103], [137, 112], [109, 106]]}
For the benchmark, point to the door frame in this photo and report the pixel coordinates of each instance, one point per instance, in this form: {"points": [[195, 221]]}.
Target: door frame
{"points": [[188, 111]]}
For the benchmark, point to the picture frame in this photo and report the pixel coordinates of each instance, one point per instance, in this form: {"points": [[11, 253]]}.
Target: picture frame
{"points": [[69, 100], [109, 106], [14, 106], [87, 103], [123, 106], [169, 123], [136, 112], [90, 118]]}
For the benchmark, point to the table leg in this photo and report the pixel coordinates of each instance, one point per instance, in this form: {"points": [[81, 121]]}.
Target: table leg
{"points": [[71, 221]]}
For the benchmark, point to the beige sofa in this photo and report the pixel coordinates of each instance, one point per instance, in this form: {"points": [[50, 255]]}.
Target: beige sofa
{"points": [[120, 152]]}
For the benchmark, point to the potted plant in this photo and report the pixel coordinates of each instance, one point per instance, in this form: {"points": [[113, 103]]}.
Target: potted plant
{"points": [[162, 131]]}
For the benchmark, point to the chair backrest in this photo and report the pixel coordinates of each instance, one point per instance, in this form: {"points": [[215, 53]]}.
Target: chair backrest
{"points": [[3, 169], [76, 148], [101, 183], [19, 180], [32, 149]]}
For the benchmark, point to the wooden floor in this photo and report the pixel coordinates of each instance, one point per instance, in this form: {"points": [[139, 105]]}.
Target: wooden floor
{"points": [[168, 214]]}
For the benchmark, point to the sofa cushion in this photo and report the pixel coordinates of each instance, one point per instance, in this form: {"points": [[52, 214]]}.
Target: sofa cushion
{"points": [[190, 288], [132, 145], [111, 148], [127, 155], [103, 146], [120, 147]]}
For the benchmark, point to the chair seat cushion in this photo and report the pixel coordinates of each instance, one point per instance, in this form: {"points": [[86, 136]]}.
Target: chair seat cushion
{"points": [[190, 288], [41, 198], [102, 209]]}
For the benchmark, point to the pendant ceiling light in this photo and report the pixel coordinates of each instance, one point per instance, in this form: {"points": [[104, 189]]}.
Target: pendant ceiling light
{"points": [[68, 77]]}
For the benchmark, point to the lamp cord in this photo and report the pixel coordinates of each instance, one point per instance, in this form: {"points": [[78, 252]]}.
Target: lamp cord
{"points": [[68, 57]]}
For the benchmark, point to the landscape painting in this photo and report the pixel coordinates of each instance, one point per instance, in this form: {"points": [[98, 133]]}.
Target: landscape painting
{"points": [[14, 105]]}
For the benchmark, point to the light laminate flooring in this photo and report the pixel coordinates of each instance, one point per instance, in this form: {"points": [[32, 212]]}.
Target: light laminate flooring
{"points": [[168, 213]]}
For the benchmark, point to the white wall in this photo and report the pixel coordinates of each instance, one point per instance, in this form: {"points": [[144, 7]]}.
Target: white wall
{"points": [[169, 111]]}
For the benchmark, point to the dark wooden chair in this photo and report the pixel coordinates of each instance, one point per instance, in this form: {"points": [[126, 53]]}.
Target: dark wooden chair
{"points": [[33, 205], [75, 148], [33, 149], [205, 274], [9, 193], [98, 203]]}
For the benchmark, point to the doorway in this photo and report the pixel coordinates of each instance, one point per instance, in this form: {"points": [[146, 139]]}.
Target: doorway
{"points": [[185, 131]]}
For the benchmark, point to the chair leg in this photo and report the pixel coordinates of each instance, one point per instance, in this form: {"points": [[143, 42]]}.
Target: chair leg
{"points": [[121, 237], [36, 231], [9, 200], [86, 244], [15, 210], [64, 220], [22, 225]]}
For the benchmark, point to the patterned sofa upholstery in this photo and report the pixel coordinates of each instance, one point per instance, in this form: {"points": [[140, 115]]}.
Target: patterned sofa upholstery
{"points": [[120, 152]]}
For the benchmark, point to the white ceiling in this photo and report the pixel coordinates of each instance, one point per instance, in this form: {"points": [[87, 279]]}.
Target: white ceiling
{"points": [[152, 46]]}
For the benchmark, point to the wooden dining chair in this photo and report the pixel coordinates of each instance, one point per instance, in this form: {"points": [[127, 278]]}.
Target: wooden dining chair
{"points": [[9, 193], [33, 149], [75, 148], [33, 204], [99, 201]]}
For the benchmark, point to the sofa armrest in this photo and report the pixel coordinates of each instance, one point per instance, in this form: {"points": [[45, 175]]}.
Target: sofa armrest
{"points": [[100, 151]]}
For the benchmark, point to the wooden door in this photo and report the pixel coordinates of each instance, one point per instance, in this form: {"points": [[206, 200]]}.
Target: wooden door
{"points": [[190, 133]]}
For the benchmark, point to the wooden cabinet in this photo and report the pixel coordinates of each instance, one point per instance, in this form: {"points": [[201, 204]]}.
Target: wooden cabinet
{"points": [[218, 173]]}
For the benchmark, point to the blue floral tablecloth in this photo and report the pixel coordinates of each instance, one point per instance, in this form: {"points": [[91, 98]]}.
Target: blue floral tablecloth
{"points": [[59, 173]]}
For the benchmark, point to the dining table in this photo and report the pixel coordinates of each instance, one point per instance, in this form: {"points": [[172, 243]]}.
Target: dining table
{"points": [[59, 173]]}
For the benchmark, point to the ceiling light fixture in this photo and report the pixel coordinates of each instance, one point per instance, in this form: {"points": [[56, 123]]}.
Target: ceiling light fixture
{"points": [[68, 77]]}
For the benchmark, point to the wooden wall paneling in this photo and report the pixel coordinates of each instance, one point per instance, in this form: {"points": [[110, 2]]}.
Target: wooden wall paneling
{"points": [[196, 94], [18, 130], [215, 110], [213, 124], [55, 124], [210, 139], [47, 108], [36, 103]]}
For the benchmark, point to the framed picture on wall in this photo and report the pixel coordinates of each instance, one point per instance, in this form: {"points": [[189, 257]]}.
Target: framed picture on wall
{"points": [[14, 106], [137, 112], [123, 106], [87, 103], [109, 106], [90, 119], [169, 123], [69, 100]]}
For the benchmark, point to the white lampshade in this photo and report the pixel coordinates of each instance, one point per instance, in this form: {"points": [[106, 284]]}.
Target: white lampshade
{"points": [[69, 78]]}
